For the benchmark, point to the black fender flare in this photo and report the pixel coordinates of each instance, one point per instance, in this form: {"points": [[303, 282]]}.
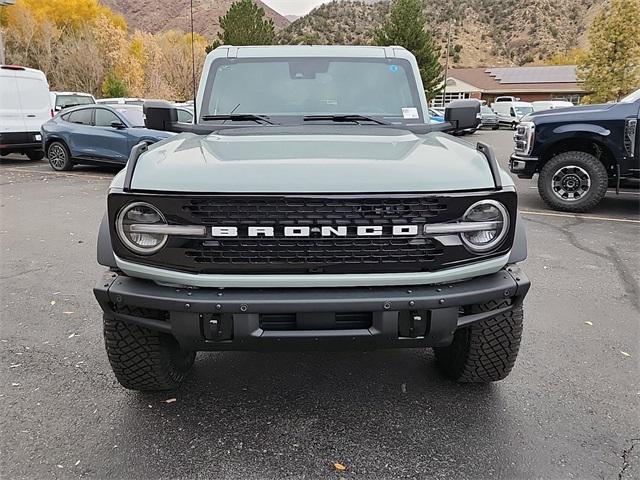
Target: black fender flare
{"points": [[519, 248], [105, 250]]}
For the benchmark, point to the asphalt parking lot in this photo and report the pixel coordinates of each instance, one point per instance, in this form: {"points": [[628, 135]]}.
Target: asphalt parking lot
{"points": [[568, 410]]}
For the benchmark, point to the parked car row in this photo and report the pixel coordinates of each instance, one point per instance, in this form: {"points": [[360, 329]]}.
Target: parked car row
{"points": [[508, 111], [70, 127]]}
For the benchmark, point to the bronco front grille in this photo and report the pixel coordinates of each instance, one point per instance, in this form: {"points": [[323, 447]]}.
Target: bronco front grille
{"points": [[313, 254], [317, 253], [235, 211]]}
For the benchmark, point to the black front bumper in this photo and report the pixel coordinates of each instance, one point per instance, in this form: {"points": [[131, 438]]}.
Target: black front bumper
{"points": [[523, 166], [20, 142], [242, 319]]}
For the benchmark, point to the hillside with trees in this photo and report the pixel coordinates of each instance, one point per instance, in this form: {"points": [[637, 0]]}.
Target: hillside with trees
{"points": [[83, 45], [155, 16], [484, 32]]}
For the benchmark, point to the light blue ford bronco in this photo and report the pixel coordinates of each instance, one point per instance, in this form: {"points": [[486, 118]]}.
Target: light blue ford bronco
{"points": [[312, 204]]}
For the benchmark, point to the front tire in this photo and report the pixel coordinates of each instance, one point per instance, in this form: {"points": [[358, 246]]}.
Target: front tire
{"points": [[573, 182], [59, 157], [144, 359], [485, 351]]}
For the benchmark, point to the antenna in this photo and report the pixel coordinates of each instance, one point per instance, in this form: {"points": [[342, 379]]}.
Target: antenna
{"points": [[193, 69]]}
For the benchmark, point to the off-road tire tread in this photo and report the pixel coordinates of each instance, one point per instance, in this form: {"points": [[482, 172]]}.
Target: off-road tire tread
{"points": [[144, 359], [599, 181], [485, 351]]}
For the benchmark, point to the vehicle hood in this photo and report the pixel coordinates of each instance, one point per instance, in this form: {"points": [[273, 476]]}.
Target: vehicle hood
{"points": [[314, 159], [568, 113], [143, 132]]}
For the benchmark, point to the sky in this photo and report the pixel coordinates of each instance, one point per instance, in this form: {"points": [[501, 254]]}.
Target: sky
{"points": [[293, 7]]}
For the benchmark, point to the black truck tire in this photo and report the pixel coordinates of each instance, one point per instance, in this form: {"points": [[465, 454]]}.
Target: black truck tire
{"points": [[144, 359], [485, 351], [573, 173], [35, 155], [59, 157]]}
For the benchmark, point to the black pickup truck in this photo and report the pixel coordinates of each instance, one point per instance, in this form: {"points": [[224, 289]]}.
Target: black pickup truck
{"points": [[578, 152]]}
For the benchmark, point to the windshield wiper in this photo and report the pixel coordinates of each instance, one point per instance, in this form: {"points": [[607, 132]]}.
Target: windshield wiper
{"points": [[344, 118], [240, 117]]}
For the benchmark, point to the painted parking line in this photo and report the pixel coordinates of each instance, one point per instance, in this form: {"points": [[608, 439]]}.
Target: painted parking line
{"points": [[581, 217], [57, 174]]}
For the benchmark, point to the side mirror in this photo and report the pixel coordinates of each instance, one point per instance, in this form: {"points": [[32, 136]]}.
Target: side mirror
{"points": [[118, 125], [463, 115], [160, 115]]}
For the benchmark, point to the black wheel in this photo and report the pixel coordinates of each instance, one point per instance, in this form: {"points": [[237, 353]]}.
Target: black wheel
{"points": [[485, 351], [144, 359], [59, 158], [35, 155], [573, 182]]}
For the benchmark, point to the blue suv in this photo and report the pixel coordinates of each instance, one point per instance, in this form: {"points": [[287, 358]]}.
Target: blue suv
{"points": [[97, 134]]}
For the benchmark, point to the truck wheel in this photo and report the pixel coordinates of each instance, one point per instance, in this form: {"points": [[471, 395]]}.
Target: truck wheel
{"points": [[485, 351], [144, 359], [573, 182], [59, 157], [35, 155]]}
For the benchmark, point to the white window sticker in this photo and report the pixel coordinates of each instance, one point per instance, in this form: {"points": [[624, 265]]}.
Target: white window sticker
{"points": [[408, 113]]}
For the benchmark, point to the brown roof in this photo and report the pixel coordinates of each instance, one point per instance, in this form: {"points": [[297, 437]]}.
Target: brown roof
{"points": [[483, 79]]}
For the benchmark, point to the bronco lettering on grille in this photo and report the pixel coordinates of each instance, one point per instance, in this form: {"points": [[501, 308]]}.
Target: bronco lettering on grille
{"points": [[325, 231]]}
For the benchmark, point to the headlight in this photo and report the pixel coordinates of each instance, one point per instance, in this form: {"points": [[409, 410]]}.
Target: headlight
{"points": [[524, 137], [135, 225], [493, 224]]}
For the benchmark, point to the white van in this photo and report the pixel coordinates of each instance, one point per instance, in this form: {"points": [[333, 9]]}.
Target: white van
{"points": [[510, 113], [24, 106], [62, 100], [550, 105]]}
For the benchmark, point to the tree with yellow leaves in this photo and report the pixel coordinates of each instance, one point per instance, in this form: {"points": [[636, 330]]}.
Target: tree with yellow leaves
{"points": [[611, 68]]}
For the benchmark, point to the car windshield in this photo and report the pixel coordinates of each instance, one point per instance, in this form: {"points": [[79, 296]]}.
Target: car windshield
{"points": [[521, 111], [632, 97], [65, 101], [301, 87], [485, 109], [132, 113]]}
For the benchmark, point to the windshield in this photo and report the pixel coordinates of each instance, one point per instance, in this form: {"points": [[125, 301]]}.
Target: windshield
{"points": [[133, 114], [298, 87], [522, 111], [486, 110], [66, 101], [632, 97]]}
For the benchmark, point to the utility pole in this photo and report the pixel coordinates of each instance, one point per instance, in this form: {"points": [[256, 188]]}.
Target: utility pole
{"points": [[446, 65]]}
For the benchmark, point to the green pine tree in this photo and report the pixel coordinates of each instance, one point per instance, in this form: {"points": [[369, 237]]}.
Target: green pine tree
{"points": [[244, 24], [406, 28], [114, 87], [611, 68]]}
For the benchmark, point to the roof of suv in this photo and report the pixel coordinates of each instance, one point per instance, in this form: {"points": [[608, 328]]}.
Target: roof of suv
{"points": [[269, 51]]}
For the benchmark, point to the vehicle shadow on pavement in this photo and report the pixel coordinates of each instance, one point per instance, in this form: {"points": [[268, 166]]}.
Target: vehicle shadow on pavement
{"points": [[307, 410]]}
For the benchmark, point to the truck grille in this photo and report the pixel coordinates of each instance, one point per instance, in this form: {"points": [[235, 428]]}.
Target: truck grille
{"points": [[317, 253], [279, 254], [291, 211]]}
